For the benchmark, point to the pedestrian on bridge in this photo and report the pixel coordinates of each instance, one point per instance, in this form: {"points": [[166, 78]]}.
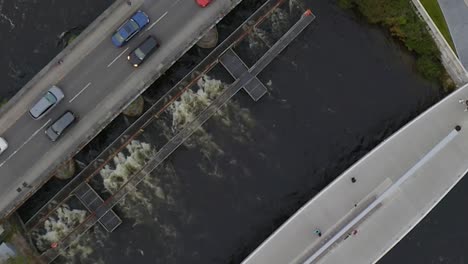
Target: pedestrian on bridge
{"points": [[465, 102], [318, 232]]}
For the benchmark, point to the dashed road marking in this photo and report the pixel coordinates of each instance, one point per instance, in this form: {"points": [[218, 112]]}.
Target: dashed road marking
{"points": [[82, 90], [24, 143], [155, 22], [116, 58]]}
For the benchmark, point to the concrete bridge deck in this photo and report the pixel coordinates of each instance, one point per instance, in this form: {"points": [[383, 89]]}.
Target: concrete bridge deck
{"points": [[375, 203]]}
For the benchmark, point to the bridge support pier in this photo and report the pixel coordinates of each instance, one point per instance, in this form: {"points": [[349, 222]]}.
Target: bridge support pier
{"points": [[209, 40]]}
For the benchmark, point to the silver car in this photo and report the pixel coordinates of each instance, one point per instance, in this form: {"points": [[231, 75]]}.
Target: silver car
{"points": [[57, 128], [47, 102], [3, 145]]}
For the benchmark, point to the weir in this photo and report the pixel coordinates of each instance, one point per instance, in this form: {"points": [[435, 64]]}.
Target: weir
{"points": [[154, 112], [92, 61], [244, 77]]}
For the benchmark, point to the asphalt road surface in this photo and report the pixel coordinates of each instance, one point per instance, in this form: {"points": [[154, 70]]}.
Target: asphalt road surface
{"points": [[99, 82], [455, 13]]}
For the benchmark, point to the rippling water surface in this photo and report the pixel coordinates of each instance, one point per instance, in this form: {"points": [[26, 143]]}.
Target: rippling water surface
{"points": [[334, 94]]}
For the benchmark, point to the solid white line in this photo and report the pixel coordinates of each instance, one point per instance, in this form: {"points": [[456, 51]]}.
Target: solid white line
{"points": [[384, 195], [116, 58], [82, 90], [155, 22], [24, 143]]}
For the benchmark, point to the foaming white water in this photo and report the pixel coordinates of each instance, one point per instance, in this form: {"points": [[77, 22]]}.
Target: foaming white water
{"points": [[261, 35], [84, 249], [237, 119], [57, 226], [296, 6], [279, 22], [191, 103], [156, 190], [125, 166], [147, 192]]}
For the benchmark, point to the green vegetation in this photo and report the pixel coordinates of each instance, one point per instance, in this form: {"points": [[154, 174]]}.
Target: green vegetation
{"points": [[71, 39], [10, 231], [3, 102], [19, 260], [433, 9], [400, 18]]}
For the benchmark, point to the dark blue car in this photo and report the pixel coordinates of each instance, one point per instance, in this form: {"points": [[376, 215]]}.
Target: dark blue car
{"points": [[130, 28]]}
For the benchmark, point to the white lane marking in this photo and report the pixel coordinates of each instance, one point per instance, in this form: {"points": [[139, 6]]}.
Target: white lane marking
{"points": [[82, 90], [163, 15], [175, 3], [155, 22], [24, 143], [116, 58]]}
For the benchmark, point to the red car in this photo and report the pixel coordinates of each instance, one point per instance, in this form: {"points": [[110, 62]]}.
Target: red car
{"points": [[203, 3]]}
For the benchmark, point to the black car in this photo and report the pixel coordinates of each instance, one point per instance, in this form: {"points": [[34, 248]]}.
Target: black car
{"points": [[62, 123], [138, 55]]}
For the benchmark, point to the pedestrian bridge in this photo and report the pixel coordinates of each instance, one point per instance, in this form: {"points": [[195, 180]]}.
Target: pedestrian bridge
{"points": [[370, 207]]}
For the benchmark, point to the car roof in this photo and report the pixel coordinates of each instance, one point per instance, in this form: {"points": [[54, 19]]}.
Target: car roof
{"points": [[149, 44], [41, 106], [203, 2], [128, 28], [64, 121], [140, 18], [3, 143], [57, 92]]}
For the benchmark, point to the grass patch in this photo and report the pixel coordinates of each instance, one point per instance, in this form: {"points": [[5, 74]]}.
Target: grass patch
{"points": [[13, 228], [433, 9], [401, 20], [3, 102], [19, 260], [71, 39]]}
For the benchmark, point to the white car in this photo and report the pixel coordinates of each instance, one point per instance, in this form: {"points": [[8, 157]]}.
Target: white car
{"points": [[3, 145]]}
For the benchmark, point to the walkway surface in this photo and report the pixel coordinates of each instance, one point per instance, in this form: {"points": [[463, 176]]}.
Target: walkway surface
{"points": [[236, 67], [456, 16], [98, 83], [375, 203], [92, 201]]}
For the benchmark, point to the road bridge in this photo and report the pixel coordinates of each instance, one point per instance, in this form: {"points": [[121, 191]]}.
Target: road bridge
{"points": [[98, 84], [153, 112], [165, 151], [377, 201]]}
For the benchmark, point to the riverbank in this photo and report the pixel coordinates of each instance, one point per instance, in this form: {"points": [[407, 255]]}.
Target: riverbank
{"points": [[15, 235], [401, 20], [3, 102], [433, 9]]}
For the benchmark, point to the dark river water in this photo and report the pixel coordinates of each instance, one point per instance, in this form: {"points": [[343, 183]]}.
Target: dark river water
{"points": [[334, 94]]}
